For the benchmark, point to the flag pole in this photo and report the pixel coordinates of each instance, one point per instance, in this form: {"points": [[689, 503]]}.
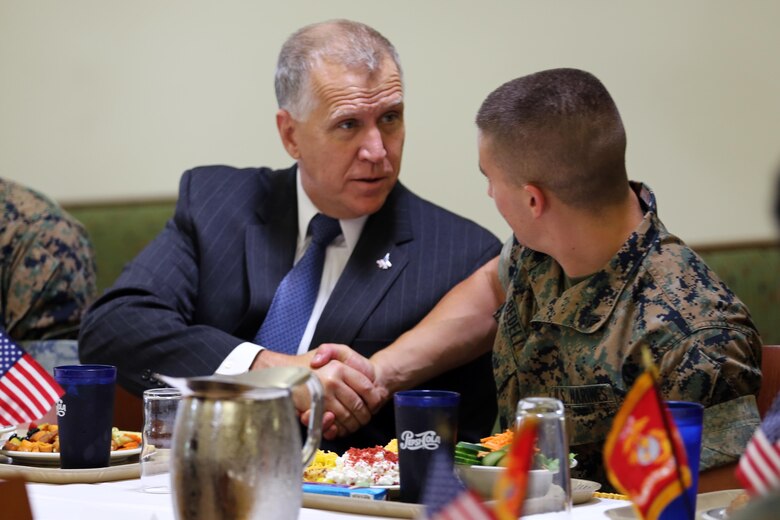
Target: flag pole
{"points": [[650, 367]]}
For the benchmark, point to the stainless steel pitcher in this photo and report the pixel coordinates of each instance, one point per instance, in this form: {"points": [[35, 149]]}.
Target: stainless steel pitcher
{"points": [[237, 446]]}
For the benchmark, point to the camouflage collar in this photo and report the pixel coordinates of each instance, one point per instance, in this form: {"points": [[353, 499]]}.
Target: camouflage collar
{"points": [[586, 306]]}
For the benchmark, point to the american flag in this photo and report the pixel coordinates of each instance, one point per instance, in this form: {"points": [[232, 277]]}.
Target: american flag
{"points": [[759, 466], [446, 498], [27, 391]]}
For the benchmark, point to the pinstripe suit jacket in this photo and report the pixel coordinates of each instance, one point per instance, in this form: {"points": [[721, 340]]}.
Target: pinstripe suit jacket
{"points": [[205, 283]]}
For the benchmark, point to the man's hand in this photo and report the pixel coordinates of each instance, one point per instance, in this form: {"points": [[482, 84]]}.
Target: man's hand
{"points": [[347, 381], [339, 421]]}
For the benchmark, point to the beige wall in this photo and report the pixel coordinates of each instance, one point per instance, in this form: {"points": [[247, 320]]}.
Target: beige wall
{"points": [[108, 99]]}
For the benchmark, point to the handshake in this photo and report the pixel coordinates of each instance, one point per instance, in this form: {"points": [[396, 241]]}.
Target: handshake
{"points": [[354, 387]]}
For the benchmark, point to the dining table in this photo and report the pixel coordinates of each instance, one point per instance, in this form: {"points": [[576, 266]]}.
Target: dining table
{"points": [[125, 500]]}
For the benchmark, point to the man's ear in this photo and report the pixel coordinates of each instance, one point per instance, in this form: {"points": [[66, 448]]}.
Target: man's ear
{"points": [[536, 200], [286, 126]]}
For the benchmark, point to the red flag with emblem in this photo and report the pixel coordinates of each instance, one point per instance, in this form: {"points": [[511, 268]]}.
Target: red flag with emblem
{"points": [[512, 484], [644, 454]]}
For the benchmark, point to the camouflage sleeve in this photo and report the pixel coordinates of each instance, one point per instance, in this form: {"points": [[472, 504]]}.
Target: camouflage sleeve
{"points": [[718, 367], [727, 429], [713, 365], [49, 276]]}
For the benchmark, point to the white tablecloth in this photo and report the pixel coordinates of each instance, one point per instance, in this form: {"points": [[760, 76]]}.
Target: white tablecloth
{"points": [[123, 500]]}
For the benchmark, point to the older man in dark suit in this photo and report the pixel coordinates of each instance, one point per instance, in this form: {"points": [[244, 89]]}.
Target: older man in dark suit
{"points": [[213, 291]]}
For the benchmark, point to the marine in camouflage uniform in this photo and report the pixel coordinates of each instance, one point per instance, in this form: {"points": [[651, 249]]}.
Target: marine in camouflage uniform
{"points": [[580, 341], [47, 267]]}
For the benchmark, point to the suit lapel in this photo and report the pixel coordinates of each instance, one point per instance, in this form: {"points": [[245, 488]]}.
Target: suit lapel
{"points": [[363, 284], [269, 247]]}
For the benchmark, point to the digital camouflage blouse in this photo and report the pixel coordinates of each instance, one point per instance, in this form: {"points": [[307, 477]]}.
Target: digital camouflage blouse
{"points": [[581, 341]]}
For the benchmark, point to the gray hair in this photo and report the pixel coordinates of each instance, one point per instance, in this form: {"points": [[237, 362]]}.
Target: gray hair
{"points": [[352, 44]]}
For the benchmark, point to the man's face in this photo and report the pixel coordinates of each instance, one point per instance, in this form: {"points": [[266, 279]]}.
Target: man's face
{"points": [[510, 199], [349, 147]]}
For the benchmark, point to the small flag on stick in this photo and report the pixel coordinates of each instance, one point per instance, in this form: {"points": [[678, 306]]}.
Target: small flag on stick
{"points": [[759, 466], [644, 454], [446, 498], [27, 391], [512, 484]]}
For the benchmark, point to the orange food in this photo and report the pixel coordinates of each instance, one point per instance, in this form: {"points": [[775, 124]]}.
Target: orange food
{"points": [[497, 441], [45, 439], [122, 440]]}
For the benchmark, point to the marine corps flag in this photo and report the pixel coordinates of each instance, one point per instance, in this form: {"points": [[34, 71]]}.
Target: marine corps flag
{"points": [[644, 454], [511, 486]]}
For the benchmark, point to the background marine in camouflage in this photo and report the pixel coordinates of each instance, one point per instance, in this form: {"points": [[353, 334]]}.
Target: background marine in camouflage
{"points": [[47, 267]]}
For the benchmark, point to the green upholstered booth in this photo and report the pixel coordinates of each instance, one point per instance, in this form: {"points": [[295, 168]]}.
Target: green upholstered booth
{"points": [[752, 271], [120, 230]]}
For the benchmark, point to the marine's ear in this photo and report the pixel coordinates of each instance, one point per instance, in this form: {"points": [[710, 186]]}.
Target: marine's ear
{"points": [[536, 200]]}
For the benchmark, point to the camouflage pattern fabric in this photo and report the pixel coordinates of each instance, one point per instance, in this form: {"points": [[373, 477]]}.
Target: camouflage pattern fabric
{"points": [[47, 267], [582, 344]]}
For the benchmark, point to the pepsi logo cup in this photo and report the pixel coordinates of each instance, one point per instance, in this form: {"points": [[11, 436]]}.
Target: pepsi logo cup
{"points": [[425, 421]]}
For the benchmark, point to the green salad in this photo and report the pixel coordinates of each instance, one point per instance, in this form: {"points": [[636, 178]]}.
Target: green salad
{"points": [[480, 455]]}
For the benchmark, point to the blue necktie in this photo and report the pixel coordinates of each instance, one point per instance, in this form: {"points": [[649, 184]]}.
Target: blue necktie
{"points": [[294, 299]]}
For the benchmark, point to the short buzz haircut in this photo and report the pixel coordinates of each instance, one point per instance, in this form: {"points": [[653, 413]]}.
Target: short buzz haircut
{"points": [[352, 44], [560, 130]]}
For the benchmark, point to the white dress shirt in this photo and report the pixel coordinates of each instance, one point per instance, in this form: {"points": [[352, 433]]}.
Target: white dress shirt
{"points": [[336, 256]]}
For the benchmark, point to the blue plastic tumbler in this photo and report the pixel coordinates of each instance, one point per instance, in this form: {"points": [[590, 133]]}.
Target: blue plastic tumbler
{"points": [[84, 414], [425, 421], [688, 417]]}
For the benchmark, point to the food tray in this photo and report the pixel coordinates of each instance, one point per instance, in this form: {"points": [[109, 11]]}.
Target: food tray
{"points": [[582, 492], [362, 506], [55, 475]]}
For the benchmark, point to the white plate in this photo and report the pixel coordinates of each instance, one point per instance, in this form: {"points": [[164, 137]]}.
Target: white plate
{"points": [[719, 513], [32, 457], [52, 458]]}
